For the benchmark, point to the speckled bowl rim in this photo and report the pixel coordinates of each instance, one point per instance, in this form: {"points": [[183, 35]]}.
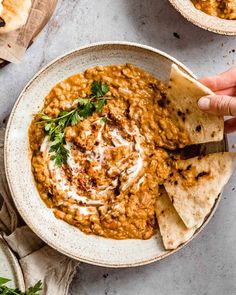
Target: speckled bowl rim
{"points": [[59, 246], [209, 23], [12, 260]]}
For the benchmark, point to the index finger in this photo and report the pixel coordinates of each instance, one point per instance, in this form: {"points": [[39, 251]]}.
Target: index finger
{"points": [[222, 81]]}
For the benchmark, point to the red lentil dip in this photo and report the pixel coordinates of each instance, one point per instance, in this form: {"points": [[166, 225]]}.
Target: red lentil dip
{"points": [[109, 185], [221, 8]]}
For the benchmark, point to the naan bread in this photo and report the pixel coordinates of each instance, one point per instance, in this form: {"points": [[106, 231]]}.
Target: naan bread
{"points": [[183, 95], [14, 14], [196, 184], [172, 229]]}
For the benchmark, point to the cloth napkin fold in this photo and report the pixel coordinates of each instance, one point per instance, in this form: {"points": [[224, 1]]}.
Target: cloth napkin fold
{"points": [[38, 261]]}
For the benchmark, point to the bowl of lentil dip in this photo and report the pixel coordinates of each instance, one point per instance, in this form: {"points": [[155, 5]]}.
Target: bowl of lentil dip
{"points": [[85, 179], [218, 16]]}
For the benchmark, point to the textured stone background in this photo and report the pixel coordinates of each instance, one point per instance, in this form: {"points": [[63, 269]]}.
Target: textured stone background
{"points": [[208, 264]]}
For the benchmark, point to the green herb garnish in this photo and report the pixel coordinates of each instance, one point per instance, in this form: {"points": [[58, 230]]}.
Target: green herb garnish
{"points": [[104, 120], [4, 290], [54, 127], [99, 89]]}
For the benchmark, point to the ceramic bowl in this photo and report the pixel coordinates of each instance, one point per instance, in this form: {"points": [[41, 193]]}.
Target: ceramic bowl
{"points": [[10, 268], [57, 233], [203, 20]]}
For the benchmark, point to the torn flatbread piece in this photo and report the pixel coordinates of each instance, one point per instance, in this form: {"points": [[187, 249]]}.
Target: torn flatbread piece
{"points": [[195, 184], [172, 229], [13, 14], [183, 95]]}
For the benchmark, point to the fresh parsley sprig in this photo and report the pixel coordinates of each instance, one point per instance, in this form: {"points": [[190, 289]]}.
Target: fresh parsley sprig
{"points": [[104, 120], [9, 291], [99, 89], [54, 127]]}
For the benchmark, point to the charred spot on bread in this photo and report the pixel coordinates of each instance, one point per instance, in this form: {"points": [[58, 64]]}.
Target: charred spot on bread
{"points": [[181, 115], [201, 174], [198, 128], [201, 156], [189, 167], [2, 22]]}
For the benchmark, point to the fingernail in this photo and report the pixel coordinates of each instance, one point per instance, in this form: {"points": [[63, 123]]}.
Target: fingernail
{"points": [[204, 103]]}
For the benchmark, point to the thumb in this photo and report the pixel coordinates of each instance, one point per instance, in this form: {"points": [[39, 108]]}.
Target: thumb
{"points": [[218, 104]]}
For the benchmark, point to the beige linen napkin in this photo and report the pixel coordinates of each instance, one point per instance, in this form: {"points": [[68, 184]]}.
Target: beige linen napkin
{"points": [[38, 261], [14, 44]]}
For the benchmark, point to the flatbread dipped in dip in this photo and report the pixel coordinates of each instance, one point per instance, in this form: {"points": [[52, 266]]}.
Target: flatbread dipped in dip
{"points": [[13, 14], [195, 184], [183, 95], [173, 231]]}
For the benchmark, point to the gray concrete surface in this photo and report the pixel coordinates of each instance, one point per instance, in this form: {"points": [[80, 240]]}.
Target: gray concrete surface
{"points": [[208, 265]]}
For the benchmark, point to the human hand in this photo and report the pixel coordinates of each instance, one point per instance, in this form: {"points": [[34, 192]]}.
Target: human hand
{"points": [[224, 102]]}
